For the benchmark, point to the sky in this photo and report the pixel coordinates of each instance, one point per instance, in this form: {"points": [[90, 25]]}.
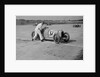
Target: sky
{"points": [[49, 17]]}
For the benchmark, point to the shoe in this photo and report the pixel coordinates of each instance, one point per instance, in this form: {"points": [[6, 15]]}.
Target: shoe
{"points": [[32, 39], [42, 40]]}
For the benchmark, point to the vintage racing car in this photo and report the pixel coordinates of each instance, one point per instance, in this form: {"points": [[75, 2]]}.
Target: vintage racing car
{"points": [[57, 36]]}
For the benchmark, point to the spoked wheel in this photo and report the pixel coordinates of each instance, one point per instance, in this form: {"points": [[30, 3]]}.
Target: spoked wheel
{"points": [[66, 37], [56, 38]]}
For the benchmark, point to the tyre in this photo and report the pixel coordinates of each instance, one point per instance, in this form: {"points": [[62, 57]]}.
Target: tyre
{"points": [[56, 38], [33, 34], [66, 37]]}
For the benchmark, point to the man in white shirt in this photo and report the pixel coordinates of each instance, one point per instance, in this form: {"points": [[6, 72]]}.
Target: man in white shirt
{"points": [[38, 31]]}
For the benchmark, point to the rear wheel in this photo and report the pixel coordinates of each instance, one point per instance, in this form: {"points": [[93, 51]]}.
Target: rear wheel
{"points": [[33, 34], [56, 38]]}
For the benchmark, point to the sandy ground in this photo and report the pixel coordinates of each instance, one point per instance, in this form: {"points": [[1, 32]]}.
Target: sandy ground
{"points": [[48, 50]]}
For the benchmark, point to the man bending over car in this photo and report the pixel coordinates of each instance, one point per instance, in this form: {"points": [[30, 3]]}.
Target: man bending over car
{"points": [[38, 32]]}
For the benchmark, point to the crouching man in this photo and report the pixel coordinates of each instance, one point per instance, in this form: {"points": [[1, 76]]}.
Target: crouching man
{"points": [[38, 32]]}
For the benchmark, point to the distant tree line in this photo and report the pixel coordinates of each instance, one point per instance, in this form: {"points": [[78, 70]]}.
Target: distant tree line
{"points": [[49, 22]]}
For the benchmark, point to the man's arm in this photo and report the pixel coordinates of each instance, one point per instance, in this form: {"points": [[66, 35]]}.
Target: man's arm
{"points": [[40, 26]]}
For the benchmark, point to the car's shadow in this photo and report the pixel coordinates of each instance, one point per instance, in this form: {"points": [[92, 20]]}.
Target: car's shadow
{"points": [[49, 40], [70, 41]]}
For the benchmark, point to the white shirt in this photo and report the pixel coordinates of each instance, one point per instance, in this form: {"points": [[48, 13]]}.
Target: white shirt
{"points": [[39, 26]]}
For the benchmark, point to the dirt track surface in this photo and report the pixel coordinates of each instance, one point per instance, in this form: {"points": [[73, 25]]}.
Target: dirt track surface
{"points": [[48, 50]]}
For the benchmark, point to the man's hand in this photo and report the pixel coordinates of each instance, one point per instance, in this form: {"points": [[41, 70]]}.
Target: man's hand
{"points": [[39, 29]]}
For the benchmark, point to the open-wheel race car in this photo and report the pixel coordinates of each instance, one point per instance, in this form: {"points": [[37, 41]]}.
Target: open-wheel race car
{"points": [[58, 36]]}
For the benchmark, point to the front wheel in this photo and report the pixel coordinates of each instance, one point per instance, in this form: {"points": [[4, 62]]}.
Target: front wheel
{"points": [[56, 38], [66, 37]]}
